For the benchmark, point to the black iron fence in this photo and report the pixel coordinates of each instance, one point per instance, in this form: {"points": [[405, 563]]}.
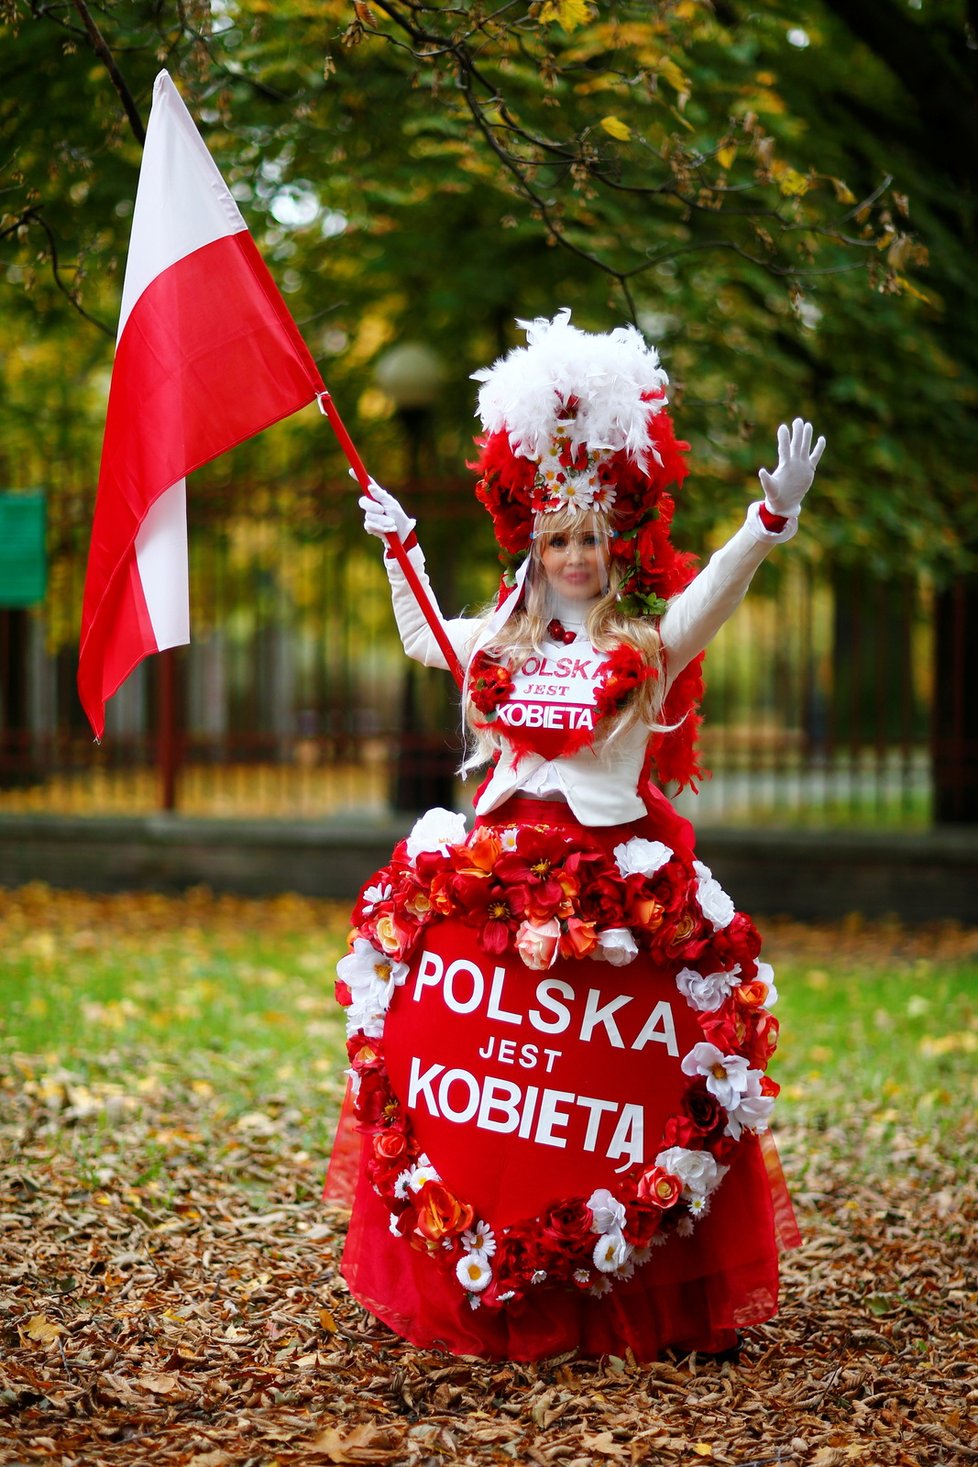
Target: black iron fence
{"points": [[294, 699]]}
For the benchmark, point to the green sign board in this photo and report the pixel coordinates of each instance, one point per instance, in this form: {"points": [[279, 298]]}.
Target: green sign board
{"points": [[23, 561]]}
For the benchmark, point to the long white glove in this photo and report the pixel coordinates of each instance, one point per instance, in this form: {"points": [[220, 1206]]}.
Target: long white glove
{"points": [[785, 489], [382, 515]]}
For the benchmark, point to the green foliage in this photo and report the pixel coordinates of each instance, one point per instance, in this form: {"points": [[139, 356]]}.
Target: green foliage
{"points": [[777, 195]]}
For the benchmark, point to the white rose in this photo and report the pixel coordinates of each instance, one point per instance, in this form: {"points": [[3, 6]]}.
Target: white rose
{"points": [[706, 991], [698, 1171], [638, 857], [715, 905], [607, 1212], [436, 831], [616, 946]]}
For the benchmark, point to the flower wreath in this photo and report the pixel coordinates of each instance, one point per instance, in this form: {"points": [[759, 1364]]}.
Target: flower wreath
{"points": [[541, 892], [491, 686]]}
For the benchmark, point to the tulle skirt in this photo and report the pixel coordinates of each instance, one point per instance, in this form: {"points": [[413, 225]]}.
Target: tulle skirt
{"points": [[511, 1156]]}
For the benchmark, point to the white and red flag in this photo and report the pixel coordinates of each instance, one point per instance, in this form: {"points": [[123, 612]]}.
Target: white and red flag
{"points": [[207, 355]]}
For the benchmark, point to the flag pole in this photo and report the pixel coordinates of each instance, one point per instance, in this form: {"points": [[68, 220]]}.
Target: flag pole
{"points": [[329, 410]]}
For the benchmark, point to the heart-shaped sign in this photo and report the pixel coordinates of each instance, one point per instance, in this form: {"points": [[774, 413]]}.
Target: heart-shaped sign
{"points": [[525, 1087]]}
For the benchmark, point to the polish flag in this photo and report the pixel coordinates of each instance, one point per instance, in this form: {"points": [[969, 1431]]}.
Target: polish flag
{"points": [[207, 355]]}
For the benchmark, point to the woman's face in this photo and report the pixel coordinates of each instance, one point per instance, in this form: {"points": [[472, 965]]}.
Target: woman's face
{"points": [[574, 562]]}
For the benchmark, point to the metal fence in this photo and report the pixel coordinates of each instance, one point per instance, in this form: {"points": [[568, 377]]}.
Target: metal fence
{"points": [[294, 699]]}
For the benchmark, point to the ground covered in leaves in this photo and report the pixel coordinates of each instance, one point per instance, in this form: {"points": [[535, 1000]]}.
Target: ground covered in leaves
{"points": [[169, 1284]]}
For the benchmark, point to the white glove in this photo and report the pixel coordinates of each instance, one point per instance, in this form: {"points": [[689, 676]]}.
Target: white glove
{"points": [[382, 515], [785, 489]]}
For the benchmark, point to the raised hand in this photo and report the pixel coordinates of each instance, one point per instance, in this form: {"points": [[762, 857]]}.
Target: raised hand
{"points": [[786, 487]]}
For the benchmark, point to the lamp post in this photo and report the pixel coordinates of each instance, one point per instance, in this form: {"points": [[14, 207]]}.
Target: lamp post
{"points": [[411, 375]]}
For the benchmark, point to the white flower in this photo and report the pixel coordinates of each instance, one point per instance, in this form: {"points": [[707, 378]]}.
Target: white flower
{"points": [[607, 1212], [538, 1276], [611, 1253], [473, 1273], [507, 838], [752, 1110], [706, 991], [638, 857], [616, 946], [698, 1171], [715, 905], [416, 1176], [481, 1239], [766, 975], [371, 977], [401, 1185], [726, 1074], [435, 831], [374, 894]]}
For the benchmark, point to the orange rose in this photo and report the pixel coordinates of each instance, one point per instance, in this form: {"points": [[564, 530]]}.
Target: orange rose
{"points": [[752, 995], [579, 939], [658, 1186], [483, 848], [440, 1214]]}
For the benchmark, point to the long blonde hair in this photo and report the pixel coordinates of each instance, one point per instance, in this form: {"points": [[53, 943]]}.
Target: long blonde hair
{"points": [[606, 628]]}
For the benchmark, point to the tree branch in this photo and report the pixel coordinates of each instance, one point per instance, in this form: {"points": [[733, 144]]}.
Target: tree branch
{"points": [[101, 49]]}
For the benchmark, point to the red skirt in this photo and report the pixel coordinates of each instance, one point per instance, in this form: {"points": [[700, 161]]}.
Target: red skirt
{"points": [[515, 1152]]}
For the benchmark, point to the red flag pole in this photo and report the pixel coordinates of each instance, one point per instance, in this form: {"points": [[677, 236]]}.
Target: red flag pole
{"points": [[328, 408]]}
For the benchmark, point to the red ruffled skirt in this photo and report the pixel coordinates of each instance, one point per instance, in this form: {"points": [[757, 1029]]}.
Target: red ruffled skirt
{"points": [[693, 1290]]}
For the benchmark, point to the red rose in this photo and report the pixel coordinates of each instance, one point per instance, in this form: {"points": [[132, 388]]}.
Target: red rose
{"points": [[344, 993], [567, 1227], [376, 1103], [513, 1267], [642, 1222], [762, 1040]]}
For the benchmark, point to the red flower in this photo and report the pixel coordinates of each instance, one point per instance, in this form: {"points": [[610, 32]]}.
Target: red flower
{"points": [[701, 1118], [533, 876], [376, 1103], [567, 1228], [762, 1040], [513, 1267], [623, 670], [642, 1222], [490, 684]]}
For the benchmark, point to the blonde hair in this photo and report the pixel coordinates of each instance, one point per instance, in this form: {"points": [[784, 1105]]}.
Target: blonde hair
{"points": [[606, 628]]}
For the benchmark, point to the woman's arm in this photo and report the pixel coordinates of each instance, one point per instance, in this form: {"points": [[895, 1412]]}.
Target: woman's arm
{"points": [[693, 618], [383, 516]]}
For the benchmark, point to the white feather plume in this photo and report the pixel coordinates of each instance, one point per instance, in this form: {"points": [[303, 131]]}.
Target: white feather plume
{"points": [[522, 393]]}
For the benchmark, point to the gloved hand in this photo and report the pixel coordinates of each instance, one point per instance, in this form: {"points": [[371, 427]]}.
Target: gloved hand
{"points": [[785, 489], [382, 515]]}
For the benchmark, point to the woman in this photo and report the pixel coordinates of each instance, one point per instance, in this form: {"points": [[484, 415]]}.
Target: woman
{"points": [[558, 1026]]}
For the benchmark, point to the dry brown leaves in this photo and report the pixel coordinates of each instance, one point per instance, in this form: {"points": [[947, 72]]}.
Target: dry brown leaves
{"points": [[203, 1333]]}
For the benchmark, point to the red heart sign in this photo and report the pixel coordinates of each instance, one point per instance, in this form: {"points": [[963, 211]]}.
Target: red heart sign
{"points": [[529, 1087]]}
